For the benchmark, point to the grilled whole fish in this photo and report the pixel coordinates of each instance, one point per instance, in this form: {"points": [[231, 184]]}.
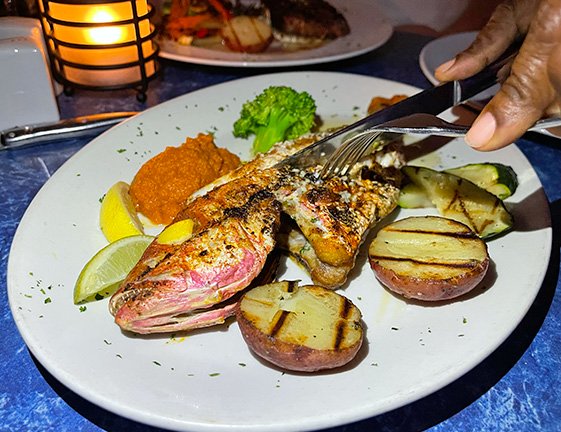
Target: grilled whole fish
{"points": [[176, 288], [236, 221]]}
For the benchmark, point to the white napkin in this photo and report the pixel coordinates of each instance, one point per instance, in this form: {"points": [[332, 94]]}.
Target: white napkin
{"points": [[26, 88]]}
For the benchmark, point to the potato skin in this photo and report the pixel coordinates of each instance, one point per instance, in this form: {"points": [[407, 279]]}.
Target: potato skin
{"points": [[428, 258], [298, 356], [291, 356], [430, 289]]}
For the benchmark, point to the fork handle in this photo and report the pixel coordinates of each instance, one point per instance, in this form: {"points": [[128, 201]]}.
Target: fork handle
{"points": [[447, 129]]}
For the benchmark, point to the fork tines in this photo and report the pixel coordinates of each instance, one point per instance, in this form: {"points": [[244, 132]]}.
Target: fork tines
{"points": [[349, 153]]}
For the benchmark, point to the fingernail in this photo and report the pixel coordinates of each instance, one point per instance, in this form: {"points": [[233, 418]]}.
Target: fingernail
{"points": [[445, 66], [482, 130]]}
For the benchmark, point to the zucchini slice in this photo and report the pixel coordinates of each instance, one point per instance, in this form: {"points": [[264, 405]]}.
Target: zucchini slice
{"points": [[413, 196], [496, 178], [462, 200], [499, 179]]}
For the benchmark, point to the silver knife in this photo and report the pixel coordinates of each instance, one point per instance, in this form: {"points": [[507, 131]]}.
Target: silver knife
{"points": [[431, 101], [22, 136]]}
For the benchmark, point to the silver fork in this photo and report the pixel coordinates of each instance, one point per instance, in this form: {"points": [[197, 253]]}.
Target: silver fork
{"points": [[355, 147]]}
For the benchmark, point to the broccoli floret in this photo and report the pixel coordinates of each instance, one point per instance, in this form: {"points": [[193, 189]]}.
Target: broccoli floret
{"points": [[279, 113]]}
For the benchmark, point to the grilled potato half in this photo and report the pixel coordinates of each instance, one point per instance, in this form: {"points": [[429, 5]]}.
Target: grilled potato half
{"points": [[303, 329], [247, 34], [428, 258]]}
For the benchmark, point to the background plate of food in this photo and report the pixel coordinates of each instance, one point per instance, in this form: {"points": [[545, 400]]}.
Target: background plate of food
{"points": [[283, 34], [208, 379]]}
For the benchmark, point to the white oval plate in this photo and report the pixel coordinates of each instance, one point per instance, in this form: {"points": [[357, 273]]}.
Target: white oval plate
{"points": [[369, 30], [208, 380]]}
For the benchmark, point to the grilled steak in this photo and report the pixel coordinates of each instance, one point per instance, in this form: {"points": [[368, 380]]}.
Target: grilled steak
{"points": [[309, 19]]}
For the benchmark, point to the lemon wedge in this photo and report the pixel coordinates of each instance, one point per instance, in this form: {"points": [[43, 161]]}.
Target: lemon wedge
{"points": [[117, 216], [103, 273], [176, 233]]}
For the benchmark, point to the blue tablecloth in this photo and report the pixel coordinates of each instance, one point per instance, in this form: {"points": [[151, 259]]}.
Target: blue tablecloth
{"points": [[517, 388]]}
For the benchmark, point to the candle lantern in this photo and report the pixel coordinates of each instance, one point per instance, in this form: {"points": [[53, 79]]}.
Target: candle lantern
{"points": [[100, 44]]}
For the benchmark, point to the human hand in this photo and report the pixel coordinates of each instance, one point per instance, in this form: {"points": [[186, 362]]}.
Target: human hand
{"points": [[533, 87]]}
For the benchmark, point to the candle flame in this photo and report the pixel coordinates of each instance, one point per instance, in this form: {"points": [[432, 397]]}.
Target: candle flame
{"points": [[104, 35]]}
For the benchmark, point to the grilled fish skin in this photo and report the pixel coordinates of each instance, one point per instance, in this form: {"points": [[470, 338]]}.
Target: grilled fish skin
{"points": [[177, 291], [261, 162], [204, 211]]}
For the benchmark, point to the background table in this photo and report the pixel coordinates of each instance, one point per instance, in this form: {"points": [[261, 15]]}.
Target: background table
{"points": [[517, 388]]}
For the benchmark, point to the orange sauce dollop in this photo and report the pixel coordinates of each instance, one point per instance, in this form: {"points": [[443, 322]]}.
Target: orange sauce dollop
{"points": [[162, 184]]}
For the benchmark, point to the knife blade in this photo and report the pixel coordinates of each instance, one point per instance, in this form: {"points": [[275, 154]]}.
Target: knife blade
{"points": [[23, 136], [431, 101]]}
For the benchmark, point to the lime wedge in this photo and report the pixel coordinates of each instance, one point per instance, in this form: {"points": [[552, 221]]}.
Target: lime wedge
{"points": [[103, 273], [118, 217]]}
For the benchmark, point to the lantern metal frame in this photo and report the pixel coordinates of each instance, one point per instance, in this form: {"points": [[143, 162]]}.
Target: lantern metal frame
{"points": [[58, 62]]}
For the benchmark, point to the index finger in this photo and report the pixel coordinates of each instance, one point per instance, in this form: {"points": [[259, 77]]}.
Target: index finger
{"points": [[508, 22]]}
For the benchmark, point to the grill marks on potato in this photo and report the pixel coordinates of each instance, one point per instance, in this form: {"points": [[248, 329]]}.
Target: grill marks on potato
{"points": [[422, 248], [459, 265], [300, 328], [428, 258], [342, 324], [279, 322], [457, 234], [286, 323]]}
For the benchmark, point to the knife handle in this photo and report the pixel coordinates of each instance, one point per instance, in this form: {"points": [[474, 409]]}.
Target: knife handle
{"points": [[63, 129]]}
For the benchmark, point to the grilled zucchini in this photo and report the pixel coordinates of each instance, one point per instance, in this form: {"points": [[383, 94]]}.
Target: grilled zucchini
{"points": [[428, 258], [499, 179], [414, 196], [496, 178], [305, 329], [459, 199]]}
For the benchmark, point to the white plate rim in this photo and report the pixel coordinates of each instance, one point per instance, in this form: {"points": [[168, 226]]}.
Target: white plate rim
{"points": [[40, 349], [448, 45], [361, 40]]}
